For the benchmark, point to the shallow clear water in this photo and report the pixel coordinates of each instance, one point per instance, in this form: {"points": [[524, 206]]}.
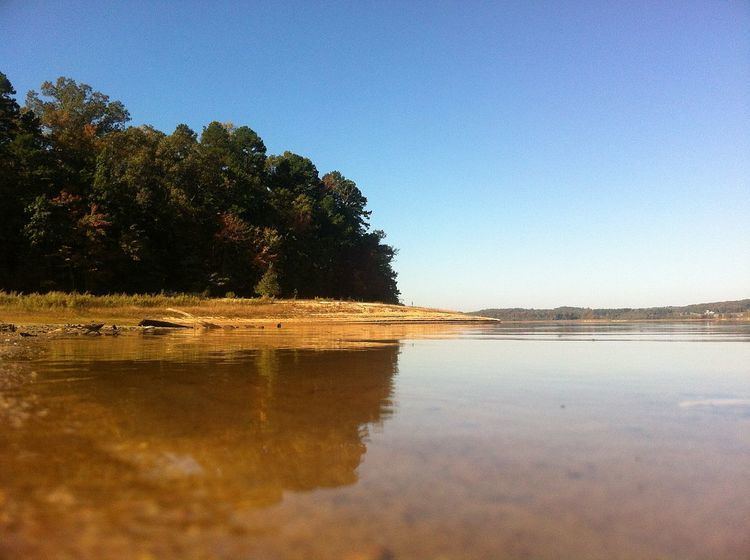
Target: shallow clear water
{"points": [[541, 441]]}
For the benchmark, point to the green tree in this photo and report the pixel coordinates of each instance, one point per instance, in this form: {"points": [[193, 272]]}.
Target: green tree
{"points": [[268, 285], [345, 204]]}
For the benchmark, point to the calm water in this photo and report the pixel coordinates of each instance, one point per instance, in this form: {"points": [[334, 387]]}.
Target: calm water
{"points": [[543, 442]]}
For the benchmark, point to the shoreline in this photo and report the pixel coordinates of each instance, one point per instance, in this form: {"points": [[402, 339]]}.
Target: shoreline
{"points": [[24, 317], [63, 309]]}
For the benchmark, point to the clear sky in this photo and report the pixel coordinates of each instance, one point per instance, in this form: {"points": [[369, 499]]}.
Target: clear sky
{"points": [[529, 154]]}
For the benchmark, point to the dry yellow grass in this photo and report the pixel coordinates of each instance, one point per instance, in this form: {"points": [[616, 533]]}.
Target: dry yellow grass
{"points": [[62, 308]]}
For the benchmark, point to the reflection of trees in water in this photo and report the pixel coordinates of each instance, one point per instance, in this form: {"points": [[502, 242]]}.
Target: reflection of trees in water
{"points": [[253, 426]]}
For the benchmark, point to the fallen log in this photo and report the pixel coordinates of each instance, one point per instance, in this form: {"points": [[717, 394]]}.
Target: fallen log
{"points": [[162, 324]]}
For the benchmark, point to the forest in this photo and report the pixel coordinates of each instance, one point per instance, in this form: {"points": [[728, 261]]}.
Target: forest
{"points": [[90, 204]]}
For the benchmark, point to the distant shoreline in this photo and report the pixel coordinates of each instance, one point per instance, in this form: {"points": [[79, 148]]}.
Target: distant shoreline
{"points": [[736, 310], [617, 321]]}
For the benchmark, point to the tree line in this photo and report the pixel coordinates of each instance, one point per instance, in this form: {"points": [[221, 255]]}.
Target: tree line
{"points": [[725, 309], [90, 204]]}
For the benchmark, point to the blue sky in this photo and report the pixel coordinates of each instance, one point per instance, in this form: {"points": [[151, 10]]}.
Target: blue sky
{"points": [[528, 154]]}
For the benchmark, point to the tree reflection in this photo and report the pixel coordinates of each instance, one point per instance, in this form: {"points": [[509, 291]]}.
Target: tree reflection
{"points": [[244, 427]]}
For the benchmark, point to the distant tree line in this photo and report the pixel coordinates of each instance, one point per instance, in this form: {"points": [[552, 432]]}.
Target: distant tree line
{"points": [[728, 309], [90, 204]]}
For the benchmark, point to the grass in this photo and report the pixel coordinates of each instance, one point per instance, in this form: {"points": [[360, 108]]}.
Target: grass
{"points": [[64, 300]]}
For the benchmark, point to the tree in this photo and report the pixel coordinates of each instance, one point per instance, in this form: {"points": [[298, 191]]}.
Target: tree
{"points": [[74, 117], [76, 111], [345, 204], [268, 286]]}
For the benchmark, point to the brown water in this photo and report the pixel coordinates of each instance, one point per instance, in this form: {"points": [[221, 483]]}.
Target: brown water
{"points": [[542, 442]]}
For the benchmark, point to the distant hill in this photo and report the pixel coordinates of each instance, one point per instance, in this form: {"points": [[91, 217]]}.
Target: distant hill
{"points": [[716, 310]]}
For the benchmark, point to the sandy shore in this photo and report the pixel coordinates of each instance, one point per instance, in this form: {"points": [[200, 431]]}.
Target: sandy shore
{"points": [[16, 318]]}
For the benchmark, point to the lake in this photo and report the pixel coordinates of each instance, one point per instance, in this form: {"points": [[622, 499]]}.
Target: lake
{"points": [[627, 441]]}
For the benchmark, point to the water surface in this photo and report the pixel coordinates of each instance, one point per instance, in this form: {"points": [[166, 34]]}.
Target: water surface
{"points": [[537, 441]]}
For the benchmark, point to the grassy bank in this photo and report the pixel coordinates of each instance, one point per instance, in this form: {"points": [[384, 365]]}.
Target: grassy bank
{"points": [[63, 308]]}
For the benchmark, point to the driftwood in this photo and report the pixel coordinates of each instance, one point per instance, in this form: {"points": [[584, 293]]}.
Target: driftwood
{"points": [[163, 324], [196, 321]]}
